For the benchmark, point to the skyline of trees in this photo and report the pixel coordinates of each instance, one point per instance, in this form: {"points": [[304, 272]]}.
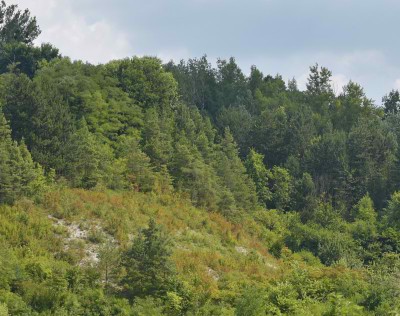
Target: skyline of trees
{"points": [[317, 176]]}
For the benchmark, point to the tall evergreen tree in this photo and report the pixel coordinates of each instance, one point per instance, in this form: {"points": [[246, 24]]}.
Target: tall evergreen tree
{"points": [[148, 268], [18, 94], [19, 175], [372, 151], [197, 83], [232, 84], [139, 172], [319, 89], [82, 158], [233, 174], [52, 126], [157, 136]]}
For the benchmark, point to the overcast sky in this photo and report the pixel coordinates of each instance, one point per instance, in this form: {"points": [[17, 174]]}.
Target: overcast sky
{"points": [[356, 39]]}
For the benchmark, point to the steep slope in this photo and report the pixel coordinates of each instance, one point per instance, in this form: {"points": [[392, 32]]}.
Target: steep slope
{"points": [[53, 256]]}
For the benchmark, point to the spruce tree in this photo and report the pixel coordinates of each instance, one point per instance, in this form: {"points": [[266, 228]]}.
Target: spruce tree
{"points": [[148, 268]]}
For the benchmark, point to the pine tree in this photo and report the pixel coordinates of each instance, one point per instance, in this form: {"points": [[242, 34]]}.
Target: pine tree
{"points": [[157, 136], [139, 172], [19, 175], [19, 104], [52, 127], [319, 90], [148, 267], [83, 158], [193, 175], [233, 175]]}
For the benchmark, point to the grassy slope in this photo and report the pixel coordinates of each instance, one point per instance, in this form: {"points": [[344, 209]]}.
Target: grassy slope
{"points": [[214, 256]]}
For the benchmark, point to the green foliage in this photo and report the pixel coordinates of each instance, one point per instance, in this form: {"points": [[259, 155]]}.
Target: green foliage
{"points": [[231, 82], [252, 303], [392, 212], [25, 58], [147, 307], [233, 174], [273, 200], [319, 90], [372, 152], [328, 163], [19, 176], [3, 310], [148, 269], [19, 104], [259, 173], [351, 105], [145, 81], [157, 136], [52, 127], [391, 102], [281, 188], [87, 161], [196, 82], [17, 25], [138, 169]]}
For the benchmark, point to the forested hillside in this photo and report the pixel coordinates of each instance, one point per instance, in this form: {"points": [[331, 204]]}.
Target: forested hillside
{"points": [[142, 188]]}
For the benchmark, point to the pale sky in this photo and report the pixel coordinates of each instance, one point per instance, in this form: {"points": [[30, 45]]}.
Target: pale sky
{"points": [[356, 39]]}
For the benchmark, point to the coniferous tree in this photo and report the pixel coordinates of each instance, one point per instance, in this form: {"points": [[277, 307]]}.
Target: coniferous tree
{"points": [[18, 94], [193, 175], [392, 211], [197, 83], [52, 127], [139, 172], [351, 106], [327, 162], [372, 151], [157, 136], [148, 268], [255, 80], [233, 174], [240, 122], [19, 175], [232, 85], [83, 157], [319, 89]]}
